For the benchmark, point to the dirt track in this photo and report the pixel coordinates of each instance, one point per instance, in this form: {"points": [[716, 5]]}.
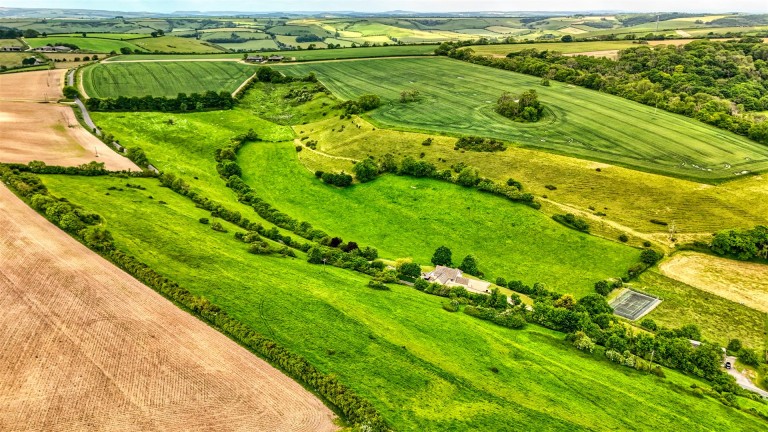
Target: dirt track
{"points": [[83, 346], [742, 282]]}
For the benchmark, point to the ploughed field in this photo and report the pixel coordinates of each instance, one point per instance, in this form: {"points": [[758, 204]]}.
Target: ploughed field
{"points": [[111, 80], [458, 98], [84, 346]]}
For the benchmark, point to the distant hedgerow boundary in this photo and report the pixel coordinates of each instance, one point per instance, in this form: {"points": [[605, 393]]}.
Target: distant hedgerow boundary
{"points": [[354, 408]]}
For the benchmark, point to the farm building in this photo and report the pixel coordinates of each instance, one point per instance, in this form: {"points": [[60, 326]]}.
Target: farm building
{"points": [[57, 48], [254, 59], [453, 277], [275, 58], [11, 48]]}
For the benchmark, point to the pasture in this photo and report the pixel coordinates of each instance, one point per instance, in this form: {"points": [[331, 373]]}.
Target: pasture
{"points": [[627, 197], [273, 170], [173, 44], [13, 59], [88, 44], [86, 344], [509, 240], [111, 80], [502, 50], [404, 330], [579, 122]]}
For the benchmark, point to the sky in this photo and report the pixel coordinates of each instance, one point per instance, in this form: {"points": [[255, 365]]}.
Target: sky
{"points": [[759, 6]]}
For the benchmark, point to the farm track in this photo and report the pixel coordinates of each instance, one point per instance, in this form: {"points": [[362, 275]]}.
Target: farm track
{"points": [[87, 347]]}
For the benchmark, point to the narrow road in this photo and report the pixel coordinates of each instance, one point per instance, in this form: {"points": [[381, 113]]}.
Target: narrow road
{"points": [[87, 117], [71, 78], [742, 380]]}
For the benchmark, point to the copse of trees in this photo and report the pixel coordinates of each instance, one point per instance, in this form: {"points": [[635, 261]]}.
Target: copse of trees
{"points": [[181, 103], [479, 144], [524, 107], [364, 103], [572, 221], [742, 244]]}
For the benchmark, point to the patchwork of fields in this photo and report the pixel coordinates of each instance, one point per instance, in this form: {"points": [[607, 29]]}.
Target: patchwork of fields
{"points": [[111, 80], [382, 342], [642, 178], [580, 122]]}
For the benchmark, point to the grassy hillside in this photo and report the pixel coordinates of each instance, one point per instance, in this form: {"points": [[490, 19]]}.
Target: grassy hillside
{"points": [[163, 78], [93, 44], [579, 122], [405, 217], [629, 197], [563, 47], [172, 44], [424, 368], [512, 241]]}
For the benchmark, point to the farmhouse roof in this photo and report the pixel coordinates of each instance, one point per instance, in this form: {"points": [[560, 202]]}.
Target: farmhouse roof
{"points": [[453, 277], [276, 57], [443, 275], [254, 58]]}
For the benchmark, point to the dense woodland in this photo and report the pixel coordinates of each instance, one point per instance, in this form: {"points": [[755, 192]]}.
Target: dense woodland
{"points": [[721, 83]]}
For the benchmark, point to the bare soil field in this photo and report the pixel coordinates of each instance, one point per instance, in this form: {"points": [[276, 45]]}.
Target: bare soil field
{"points": [[51, 133], [84, 346], [742, 282], [35, 86]]}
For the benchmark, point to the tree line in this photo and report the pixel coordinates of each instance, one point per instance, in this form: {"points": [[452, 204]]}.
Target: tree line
{"points": [[181, 103]]}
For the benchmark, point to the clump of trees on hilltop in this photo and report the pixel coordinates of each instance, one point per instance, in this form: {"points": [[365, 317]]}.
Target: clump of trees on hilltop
{"points": [[523, 108]]}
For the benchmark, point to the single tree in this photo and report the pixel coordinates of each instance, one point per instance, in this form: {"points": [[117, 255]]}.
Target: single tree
{"points": [[442, 256], [469, 265]]}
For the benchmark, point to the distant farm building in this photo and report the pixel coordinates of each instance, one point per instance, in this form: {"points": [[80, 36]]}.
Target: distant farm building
{"points": [[453, 277], [275, 58], [11, 48], [254, 59], [57, 48]]}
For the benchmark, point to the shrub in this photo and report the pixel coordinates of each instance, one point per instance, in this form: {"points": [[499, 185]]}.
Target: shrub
{"points": [[582, 342], [217, 226], [749, 357], [377, 285], [623, 238], [340, 180], [479, 144], [734, 346], [572, 221], [500, 281], [650, 256], [204, 221], [603, 288], [365, 170], [427, 142], [452, 306], [649, 324]]}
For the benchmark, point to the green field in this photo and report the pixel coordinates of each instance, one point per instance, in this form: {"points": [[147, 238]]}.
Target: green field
{"points": [[423, 368], [92, 44], [173, 44], [13, 59], [510, 240], [405, 217], [579, 122], [110, 80], [118, 36], [565, 48]]}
